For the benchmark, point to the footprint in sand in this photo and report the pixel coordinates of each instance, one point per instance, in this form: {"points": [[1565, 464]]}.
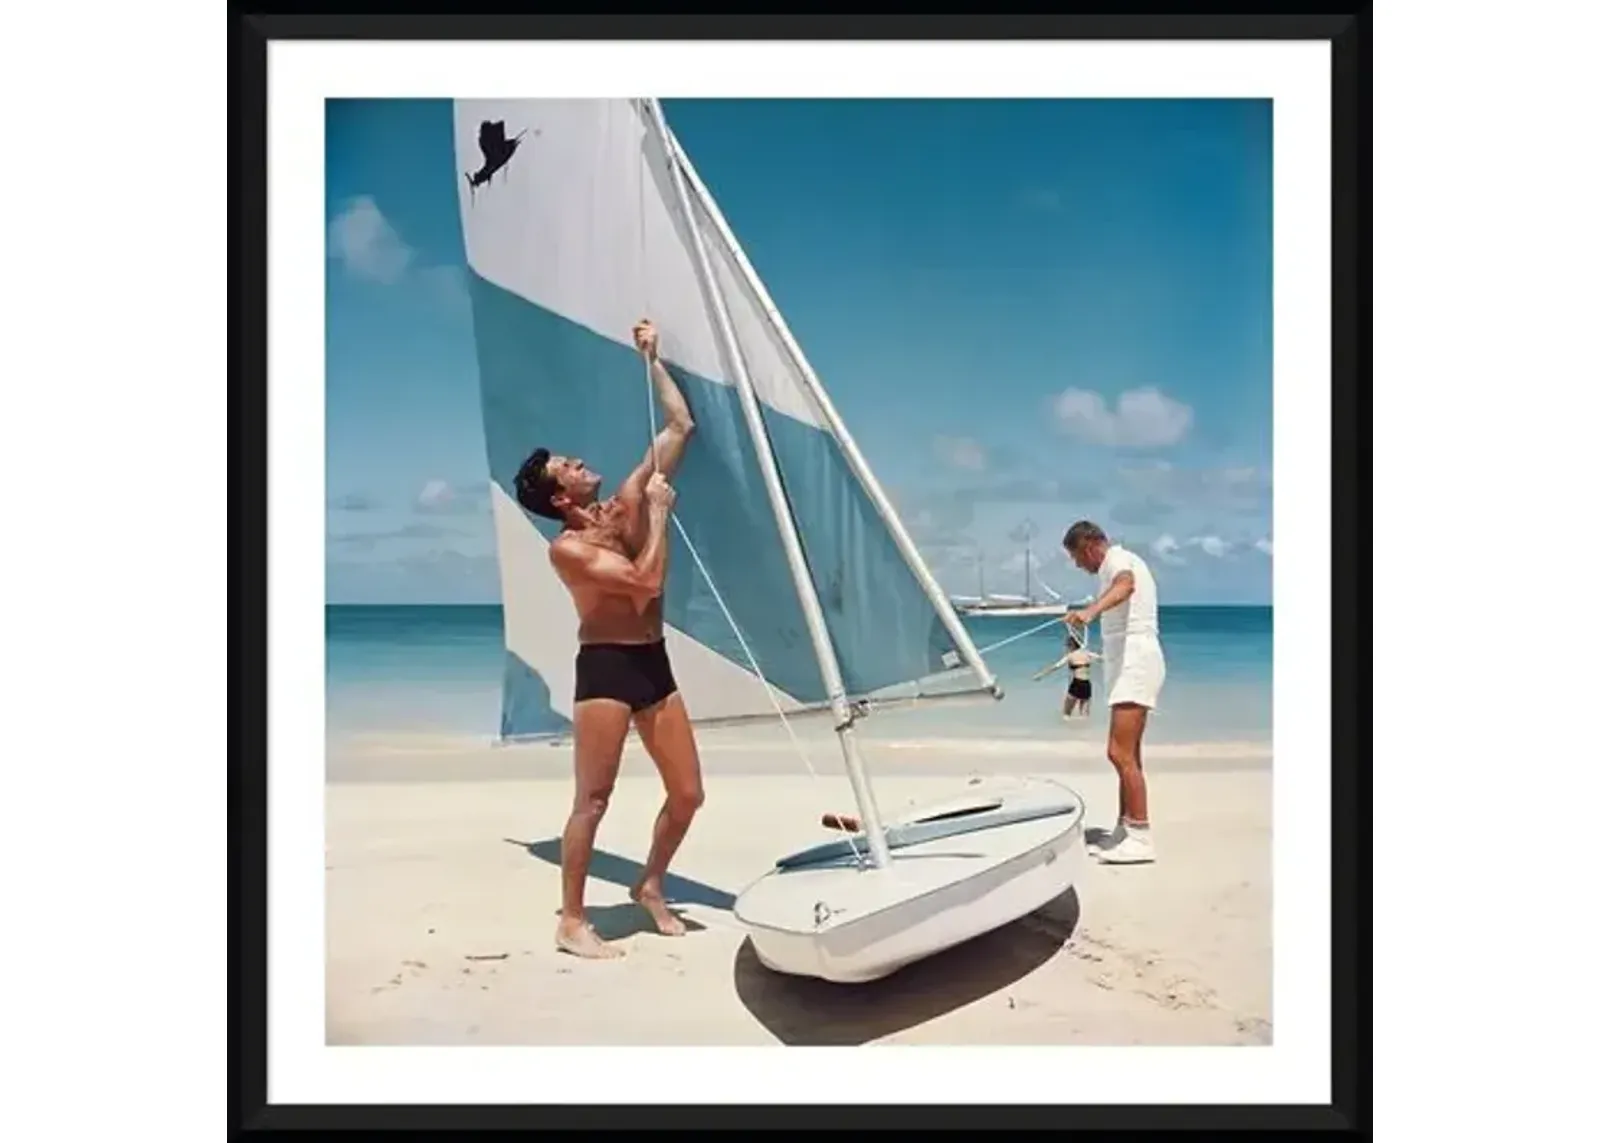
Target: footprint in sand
{"points": [[1256, 1030], [1179, 992]]}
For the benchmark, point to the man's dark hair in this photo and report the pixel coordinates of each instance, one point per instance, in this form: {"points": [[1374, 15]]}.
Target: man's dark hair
{"points": [[1081, 532], [535, 486]]}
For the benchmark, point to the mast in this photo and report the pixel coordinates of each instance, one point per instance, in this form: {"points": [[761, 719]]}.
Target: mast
{"points": [[816, 624], [981, 595], [847, 445]]}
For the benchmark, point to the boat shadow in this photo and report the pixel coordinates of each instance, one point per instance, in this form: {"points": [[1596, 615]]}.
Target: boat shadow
{"points": [[614, 922], [804, 1011]]}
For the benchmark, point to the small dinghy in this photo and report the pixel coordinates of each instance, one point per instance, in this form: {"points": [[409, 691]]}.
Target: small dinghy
{"points": [[959, 868]]}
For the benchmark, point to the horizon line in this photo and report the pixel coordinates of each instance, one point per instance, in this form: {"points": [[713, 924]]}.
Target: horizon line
{"points": [[500, 603]]}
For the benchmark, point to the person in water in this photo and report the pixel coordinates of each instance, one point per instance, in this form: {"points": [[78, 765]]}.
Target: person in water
{"points": [[612, 556], [1075, 702], [1078, 689]]}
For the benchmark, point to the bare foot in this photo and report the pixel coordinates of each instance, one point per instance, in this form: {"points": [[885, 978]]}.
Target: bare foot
{"points": [[668, 924], [848, 822], [580, 939]]}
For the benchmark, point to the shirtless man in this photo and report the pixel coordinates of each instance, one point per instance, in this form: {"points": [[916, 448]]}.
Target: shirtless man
{"points": [[1135, 669], [612, 555]]}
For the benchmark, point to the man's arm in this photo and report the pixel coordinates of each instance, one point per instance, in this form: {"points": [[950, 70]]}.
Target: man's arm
{"points": [[640, 579], [677, 423], [1121, 588]]}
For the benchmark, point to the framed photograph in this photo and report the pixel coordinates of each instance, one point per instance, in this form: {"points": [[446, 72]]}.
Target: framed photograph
{"points": [[803, 532]]}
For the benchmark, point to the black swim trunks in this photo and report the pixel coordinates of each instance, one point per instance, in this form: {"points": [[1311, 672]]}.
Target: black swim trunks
{"points": [[635, 673], [1079, 689]]}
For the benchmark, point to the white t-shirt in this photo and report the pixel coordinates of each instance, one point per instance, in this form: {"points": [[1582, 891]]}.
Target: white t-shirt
{"points": [[1137, 614]]}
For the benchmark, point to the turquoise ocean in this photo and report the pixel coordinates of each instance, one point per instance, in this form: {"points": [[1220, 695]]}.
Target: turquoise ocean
{"points": [[436, 669]]}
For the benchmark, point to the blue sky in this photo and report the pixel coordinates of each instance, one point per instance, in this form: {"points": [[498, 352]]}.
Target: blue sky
{"points": [[1026, 311]]}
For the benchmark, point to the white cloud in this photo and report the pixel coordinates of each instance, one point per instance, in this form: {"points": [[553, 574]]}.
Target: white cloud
{"points": [[369, 247], [1234, 484], [435, 494], [1166, 549], [437, 576], [1231, 500], [1143, 418], [1232, 478], [961, 452], [1148, 474], [366, 541], [1214, 546], [352, 502], [441, 498], [1263, 545], [449, 285]]}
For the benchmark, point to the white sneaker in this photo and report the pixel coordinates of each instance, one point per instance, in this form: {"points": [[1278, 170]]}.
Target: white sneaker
{"points": [[1134, 847]]}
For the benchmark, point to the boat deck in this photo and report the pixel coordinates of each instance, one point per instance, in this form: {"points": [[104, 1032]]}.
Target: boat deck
{"points": [[991, 822]]}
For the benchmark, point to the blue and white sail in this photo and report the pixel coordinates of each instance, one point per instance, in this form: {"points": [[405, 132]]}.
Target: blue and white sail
{"points": [[573, 232]]}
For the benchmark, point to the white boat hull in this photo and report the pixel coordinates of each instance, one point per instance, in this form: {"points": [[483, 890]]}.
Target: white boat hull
{"points": [[1009, 846], [1019, 611]]}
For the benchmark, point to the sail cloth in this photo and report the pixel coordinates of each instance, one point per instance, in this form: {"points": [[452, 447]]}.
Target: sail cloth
{"points": [[573, 232]]}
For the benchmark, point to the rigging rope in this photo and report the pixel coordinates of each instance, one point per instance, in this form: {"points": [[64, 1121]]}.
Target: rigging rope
{"points": [[655, 467], [1051, 622]]}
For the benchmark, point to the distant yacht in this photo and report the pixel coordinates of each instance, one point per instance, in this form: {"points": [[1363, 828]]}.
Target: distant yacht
{"points": [[1001, 605]]}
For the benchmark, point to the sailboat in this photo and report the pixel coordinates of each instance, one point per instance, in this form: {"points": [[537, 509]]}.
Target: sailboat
{"points": [[999, 605], [796, 590]]}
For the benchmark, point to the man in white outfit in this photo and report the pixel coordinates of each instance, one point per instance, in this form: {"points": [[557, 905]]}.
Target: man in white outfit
{"points": [[1134, 670]]}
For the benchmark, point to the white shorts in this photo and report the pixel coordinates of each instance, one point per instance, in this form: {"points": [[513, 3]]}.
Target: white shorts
{"points": [[1135, 670]]}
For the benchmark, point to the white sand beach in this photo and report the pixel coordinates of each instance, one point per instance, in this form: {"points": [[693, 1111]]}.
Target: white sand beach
{"points": [[443, 881]]}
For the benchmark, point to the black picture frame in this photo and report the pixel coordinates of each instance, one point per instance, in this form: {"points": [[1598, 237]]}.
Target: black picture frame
{"points": [[251, 1114]]}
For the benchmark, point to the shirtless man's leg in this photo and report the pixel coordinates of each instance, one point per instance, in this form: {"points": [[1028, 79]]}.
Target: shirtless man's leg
{"points": [[669, 739], [599, 728]]}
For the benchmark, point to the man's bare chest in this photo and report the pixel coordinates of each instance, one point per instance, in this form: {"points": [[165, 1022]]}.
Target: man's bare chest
{"points": [[610, 541], [616, 531]]}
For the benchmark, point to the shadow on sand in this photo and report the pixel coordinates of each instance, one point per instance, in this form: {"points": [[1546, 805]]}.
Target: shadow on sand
{"points": [[804, 1011], [613, 922]]}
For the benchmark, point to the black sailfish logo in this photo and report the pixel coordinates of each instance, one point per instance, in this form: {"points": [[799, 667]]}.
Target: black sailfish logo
{"points": [[497, 151]]}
